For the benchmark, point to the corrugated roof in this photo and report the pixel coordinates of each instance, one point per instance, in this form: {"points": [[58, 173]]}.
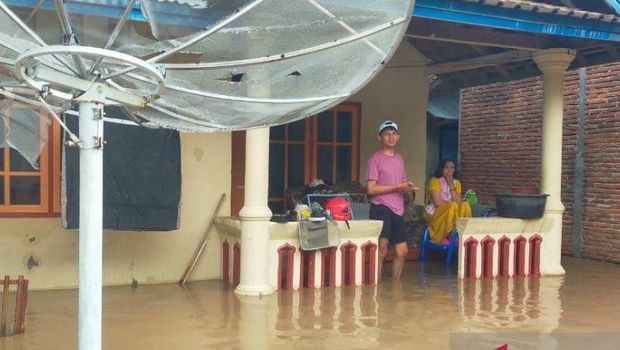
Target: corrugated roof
{"points": [[457, 31], [444, 104], [523, 5]]}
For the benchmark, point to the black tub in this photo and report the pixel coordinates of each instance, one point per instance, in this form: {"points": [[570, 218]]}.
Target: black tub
{"points": [[520, 205]]}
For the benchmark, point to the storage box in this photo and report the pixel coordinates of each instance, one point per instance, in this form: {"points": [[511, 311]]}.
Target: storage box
{"points": [[519, 205], [361, 211]]}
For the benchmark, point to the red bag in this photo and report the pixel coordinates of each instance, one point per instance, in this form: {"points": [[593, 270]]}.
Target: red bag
{"points": [[339, 208]]}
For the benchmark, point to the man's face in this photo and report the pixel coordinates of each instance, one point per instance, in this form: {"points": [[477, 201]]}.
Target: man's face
{"points": [[389, 137]]}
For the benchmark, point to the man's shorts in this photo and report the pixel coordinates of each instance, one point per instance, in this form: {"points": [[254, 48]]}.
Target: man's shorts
{"points": [[393, 225]]}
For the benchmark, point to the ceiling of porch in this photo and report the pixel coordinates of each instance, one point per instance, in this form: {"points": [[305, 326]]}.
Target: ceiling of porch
{"points": [[477, 42]]}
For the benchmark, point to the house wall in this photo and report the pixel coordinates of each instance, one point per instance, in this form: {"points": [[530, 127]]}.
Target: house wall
{"points": [[500, 147], [148, 257], [400, 94], [158, 257]]}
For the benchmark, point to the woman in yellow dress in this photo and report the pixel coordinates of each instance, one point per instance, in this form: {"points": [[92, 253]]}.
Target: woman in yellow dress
{"points": [[446, 204]]}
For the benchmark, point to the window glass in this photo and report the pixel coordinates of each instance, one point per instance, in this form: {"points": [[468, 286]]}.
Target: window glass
{"points": [[19, 163], [326, 127], [25, 190], [276, 173], [325, 160], [297, 130], [343, 163], [25, 134], [296, 165], [344, 132], [277, 133]]}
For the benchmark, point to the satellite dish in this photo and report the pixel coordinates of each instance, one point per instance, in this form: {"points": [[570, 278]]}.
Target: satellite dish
{"points": [[191, 65], [202, 65]]}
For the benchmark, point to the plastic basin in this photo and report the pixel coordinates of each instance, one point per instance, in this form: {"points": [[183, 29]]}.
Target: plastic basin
{"points": [[520, 205]]}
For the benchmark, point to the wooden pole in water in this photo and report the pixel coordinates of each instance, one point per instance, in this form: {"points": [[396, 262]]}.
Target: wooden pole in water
{"points": [[5, 305], [20, 305], [203, 243]]}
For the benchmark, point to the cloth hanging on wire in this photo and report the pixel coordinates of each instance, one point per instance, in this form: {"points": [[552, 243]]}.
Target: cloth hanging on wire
{"points": [[141, 177]]}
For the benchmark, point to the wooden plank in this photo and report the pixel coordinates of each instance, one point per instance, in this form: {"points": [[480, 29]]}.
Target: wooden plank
{"points": [[608, 18], [20, 308], [19, 299], [564, 11], [24, 303], [437, 31], [203, 243], [482, 61], [5, 305]]}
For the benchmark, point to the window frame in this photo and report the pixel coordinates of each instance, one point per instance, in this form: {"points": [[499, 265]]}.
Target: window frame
{"points": [[356, 113], [307, 158], [311, 144], [49, 174]]}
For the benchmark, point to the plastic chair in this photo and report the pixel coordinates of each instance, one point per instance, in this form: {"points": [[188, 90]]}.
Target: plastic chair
{"points": [[450, 248]]}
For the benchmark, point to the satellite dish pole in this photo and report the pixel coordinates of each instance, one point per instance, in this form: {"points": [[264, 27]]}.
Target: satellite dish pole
{"points": [[91, 96], [91, 218]]}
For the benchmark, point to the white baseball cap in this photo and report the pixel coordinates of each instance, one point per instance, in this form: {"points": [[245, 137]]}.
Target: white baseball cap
{"points": [[388, 124]]}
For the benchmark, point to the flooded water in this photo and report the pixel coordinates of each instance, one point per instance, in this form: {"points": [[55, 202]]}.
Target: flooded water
{"points": [[428, 309]]}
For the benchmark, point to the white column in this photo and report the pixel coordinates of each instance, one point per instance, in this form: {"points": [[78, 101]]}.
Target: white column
{"points": [[257, 321], [553, 63], [90, 237], [255, 215]]}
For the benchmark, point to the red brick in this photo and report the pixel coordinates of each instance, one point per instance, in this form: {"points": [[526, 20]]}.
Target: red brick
{"points": [[501, 129]]}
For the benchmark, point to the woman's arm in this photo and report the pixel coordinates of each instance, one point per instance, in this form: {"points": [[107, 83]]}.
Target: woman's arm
{"points": [[375, 189], [434, 188], [455, 191], [436, 199]]}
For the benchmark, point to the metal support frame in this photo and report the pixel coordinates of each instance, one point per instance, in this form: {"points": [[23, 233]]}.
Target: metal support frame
{"points": [[28, 68], [291, 54], [614, 5]]}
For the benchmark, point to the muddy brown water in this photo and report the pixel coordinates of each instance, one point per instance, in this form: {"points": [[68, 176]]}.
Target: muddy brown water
{"points": [[428, 309]]}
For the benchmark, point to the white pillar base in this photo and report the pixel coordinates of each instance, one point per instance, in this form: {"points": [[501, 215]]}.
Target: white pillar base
{"points": [[254, 255], [551, 248], [253, 290], [556, 270]]}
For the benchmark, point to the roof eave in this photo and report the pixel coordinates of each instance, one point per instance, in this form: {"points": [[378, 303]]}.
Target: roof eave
{"points": [[472, 13]]}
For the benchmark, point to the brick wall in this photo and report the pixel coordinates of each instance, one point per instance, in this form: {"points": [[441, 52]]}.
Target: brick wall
{"points": [[500, 141]]}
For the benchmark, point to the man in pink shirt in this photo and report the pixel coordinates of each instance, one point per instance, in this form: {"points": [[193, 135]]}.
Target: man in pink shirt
{"points": [[387, 181]]}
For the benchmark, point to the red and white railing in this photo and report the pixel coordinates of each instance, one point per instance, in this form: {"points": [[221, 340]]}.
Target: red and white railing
{"points": [[500, 247]]}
